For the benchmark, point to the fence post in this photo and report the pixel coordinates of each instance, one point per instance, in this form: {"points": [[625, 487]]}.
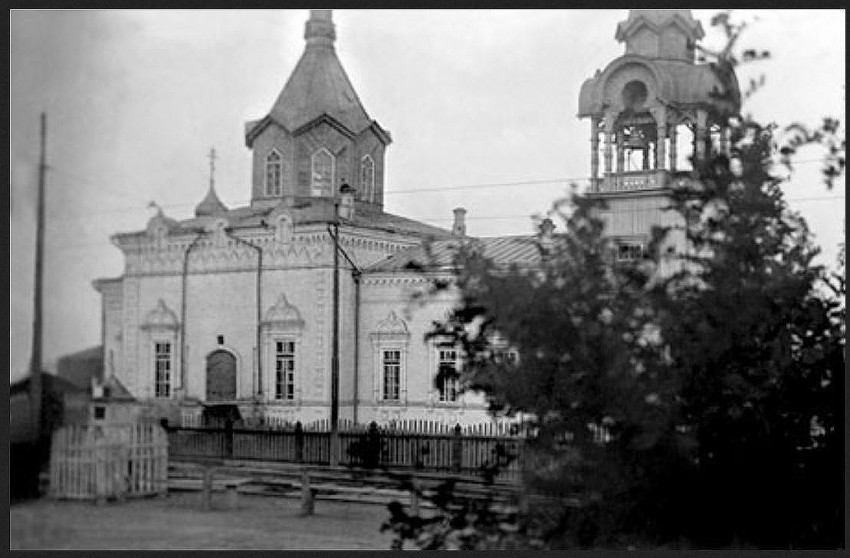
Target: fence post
{"points": [[414, 497], [299, 442], [374, 446], [208, 477], [334, 449], [457, 450], [228, 438], [307, 503]]}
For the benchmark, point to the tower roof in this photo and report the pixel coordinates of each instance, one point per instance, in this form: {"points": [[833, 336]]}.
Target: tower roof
{"points": [[663, 34], [660, 54], [658, 19], [319, 84]]}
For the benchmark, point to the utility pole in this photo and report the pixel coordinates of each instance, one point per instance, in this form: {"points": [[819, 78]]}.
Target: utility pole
{"points": [[35, 363], [334, 441], [335, 334]]}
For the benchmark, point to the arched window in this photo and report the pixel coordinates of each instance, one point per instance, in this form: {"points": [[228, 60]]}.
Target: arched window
{"points": [[367, 178], [273, 173], [323, 173]]}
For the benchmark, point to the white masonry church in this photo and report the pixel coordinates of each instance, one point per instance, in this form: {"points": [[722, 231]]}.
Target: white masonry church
{"points": [[297, 306]]}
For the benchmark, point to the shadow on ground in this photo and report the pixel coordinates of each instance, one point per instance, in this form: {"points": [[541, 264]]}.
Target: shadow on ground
{"points": [[178, 522]]}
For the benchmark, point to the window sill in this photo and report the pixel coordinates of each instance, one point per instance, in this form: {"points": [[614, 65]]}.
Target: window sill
{"points": [[391, 403], [448, 404], [284, 402]]}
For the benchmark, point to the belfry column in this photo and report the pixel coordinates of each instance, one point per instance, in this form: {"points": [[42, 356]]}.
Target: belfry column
{"points": [[621, 152], [660, 115], [673, 151], [594, 147], [610, 117], [724, 139], [699, 134]]}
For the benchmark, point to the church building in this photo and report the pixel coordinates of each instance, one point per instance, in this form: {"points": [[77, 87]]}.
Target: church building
{"points": [[297, 307]]}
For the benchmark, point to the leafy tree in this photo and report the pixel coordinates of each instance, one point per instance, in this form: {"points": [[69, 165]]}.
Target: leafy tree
{"points": [[459, 523], [591, 375], [701, 406], [760, 351]]}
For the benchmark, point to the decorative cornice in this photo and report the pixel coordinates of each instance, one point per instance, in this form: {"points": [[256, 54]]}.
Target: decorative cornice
{"points": [[400, 278]]}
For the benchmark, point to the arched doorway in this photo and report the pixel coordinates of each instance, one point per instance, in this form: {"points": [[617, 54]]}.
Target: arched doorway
{"points": [[221, 376]]}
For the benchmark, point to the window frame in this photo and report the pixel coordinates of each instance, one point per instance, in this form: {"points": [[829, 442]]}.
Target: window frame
{"points": [[368, 188], [278, 190], [313, 158], [442, 391], [165, 358], [635, 247], [282, 322], [389, 334], [398, 363], [285, 355], [506, 355]]}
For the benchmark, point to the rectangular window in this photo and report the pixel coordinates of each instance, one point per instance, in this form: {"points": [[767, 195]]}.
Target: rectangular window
{"points": [[392, 374], [284, 370], [162, 367], [629, 252], [508, 356], [446, 366]]}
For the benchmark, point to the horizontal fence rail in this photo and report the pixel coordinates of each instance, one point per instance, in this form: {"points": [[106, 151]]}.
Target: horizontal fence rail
{"points": [[368, 447]]}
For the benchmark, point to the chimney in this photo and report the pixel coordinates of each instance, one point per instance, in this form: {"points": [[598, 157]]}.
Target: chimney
{"points": [[459, 226], [346, 202], [546, 237], [96, 388]]}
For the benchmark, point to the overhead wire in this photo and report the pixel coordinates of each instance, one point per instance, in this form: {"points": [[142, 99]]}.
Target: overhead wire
{"points": [[558, 181], [490, 218]]}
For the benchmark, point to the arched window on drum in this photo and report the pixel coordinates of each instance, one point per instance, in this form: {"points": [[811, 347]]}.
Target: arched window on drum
{"points": [[274, 172], [323, 173], [367, 178]]}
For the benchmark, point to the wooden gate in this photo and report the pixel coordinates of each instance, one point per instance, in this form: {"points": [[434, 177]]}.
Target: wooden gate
{"points": [[221, 376], [89, 461]]}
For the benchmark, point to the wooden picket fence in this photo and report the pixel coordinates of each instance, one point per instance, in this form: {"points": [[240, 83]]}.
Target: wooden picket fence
{"points": [[451, 450], [89, 461]]}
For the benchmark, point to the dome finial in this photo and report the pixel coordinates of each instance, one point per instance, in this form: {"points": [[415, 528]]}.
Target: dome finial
{"points": [[211, 205], [212, 158], [319, 30]]}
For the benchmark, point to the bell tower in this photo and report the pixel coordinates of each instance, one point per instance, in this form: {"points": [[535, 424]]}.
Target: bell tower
{"points": [[642, 107]]}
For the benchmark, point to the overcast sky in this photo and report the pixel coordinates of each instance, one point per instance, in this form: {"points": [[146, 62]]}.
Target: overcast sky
{"points": [[135, 100]]}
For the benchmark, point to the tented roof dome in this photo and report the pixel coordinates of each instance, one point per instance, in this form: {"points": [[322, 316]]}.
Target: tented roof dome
{"points": [[319, 84]]}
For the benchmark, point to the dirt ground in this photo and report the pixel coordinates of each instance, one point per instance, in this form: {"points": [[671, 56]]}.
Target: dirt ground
{"points": [[178, 522]]}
